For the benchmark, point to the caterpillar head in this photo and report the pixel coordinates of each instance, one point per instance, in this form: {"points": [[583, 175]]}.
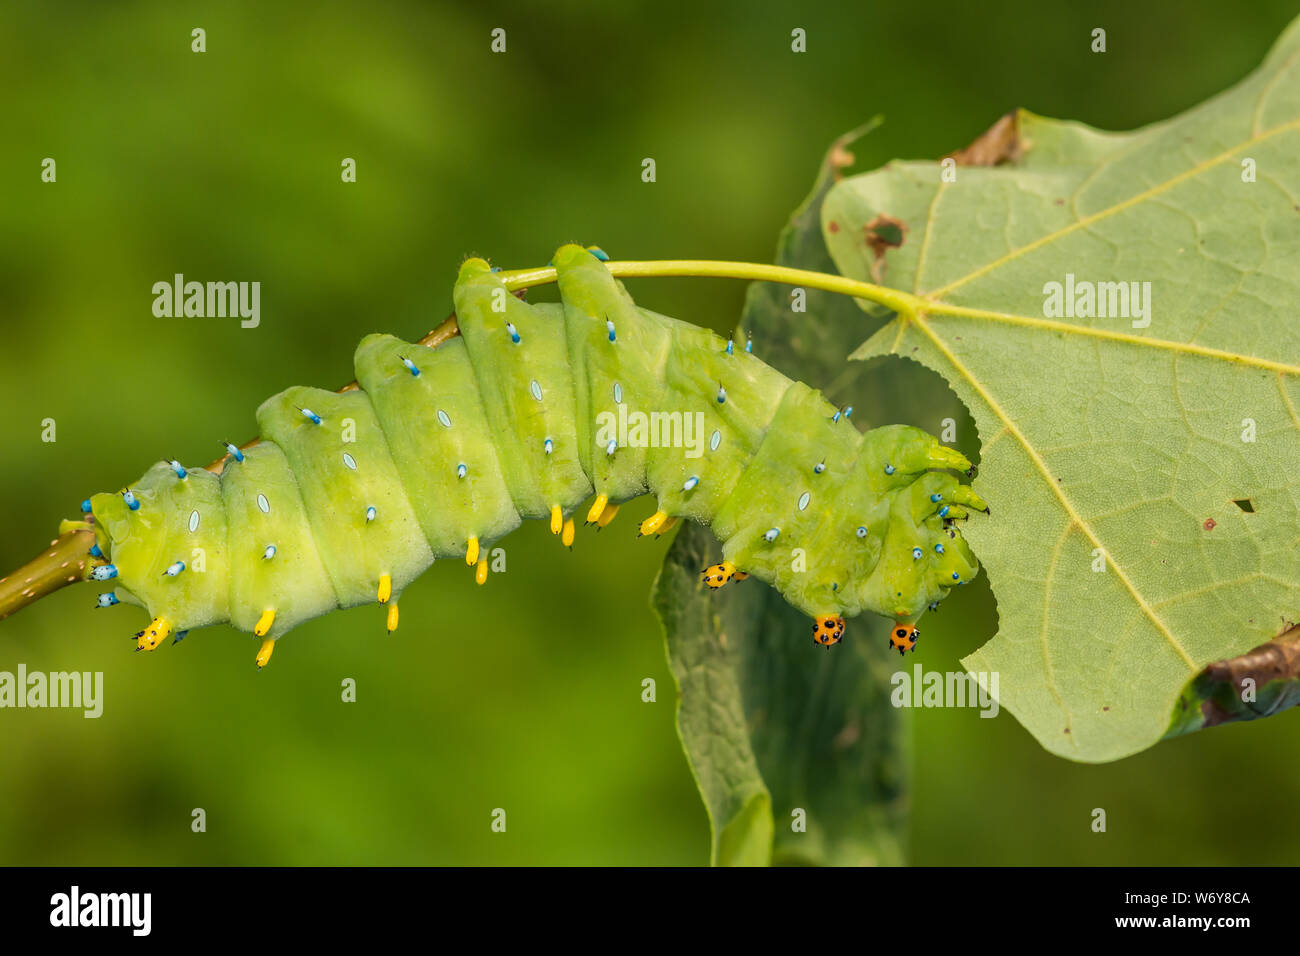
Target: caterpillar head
{"points": [[911, 551]]}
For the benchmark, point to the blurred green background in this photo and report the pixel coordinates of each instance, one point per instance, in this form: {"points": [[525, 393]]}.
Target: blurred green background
{"points": [[524, 694]]}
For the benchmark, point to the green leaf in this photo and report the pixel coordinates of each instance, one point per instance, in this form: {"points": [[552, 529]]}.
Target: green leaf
{"points": [[774, 728], [1106, 437]]}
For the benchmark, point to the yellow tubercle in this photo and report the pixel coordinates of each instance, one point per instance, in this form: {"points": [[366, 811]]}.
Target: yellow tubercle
{"points": [[471, 552], [264, 623], [480, 573], [717, 575], [597, 508], [557, 519], [392, 617], [567, 537], [154, 634], [385, 588], [607, 516], [264, 654], [652, 524]]}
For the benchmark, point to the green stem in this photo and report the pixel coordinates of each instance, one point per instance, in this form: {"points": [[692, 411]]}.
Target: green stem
{"points": [[903, 303]]}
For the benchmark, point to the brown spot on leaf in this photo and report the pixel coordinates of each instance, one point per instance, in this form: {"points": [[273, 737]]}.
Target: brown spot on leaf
{"points": [[1000, 143], [883, 233], [1209, 524], [833, 226]]}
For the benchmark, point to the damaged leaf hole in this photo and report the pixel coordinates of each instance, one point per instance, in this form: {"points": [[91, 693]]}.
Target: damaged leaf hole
{"points": [[1245, 504], [883, 233]]}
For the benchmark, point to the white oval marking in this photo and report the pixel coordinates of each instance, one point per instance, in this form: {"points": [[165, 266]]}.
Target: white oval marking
{"points": [[618, 393], [803, 501], [444, 418], [536, 389], [349, 461], [194, 521], [715, 441], [263, 504]]}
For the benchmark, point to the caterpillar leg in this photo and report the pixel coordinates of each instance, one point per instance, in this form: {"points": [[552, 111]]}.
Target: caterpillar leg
{"points": [[481, 572], [717, 575], [606, 517], [264, 623], [652, 524], [471, 552], [828, 630], [965, 495], [906, 451], [154, 634], [392, 617], [667, 525], [557, 519], [566, 536], [903, 637], [941, 456], [385, 589], [265, 652], [597, 509]]}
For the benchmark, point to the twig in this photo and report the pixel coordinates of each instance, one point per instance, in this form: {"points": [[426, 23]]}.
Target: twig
{"points": [[66, 561]]}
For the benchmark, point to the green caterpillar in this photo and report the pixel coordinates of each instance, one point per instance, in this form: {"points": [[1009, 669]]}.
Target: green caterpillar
{"points": [[529, 412]]}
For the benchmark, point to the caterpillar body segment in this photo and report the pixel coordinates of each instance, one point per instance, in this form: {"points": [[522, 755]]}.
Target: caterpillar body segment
{"points": [[530, 412], [610, 379], [526, 388]]}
